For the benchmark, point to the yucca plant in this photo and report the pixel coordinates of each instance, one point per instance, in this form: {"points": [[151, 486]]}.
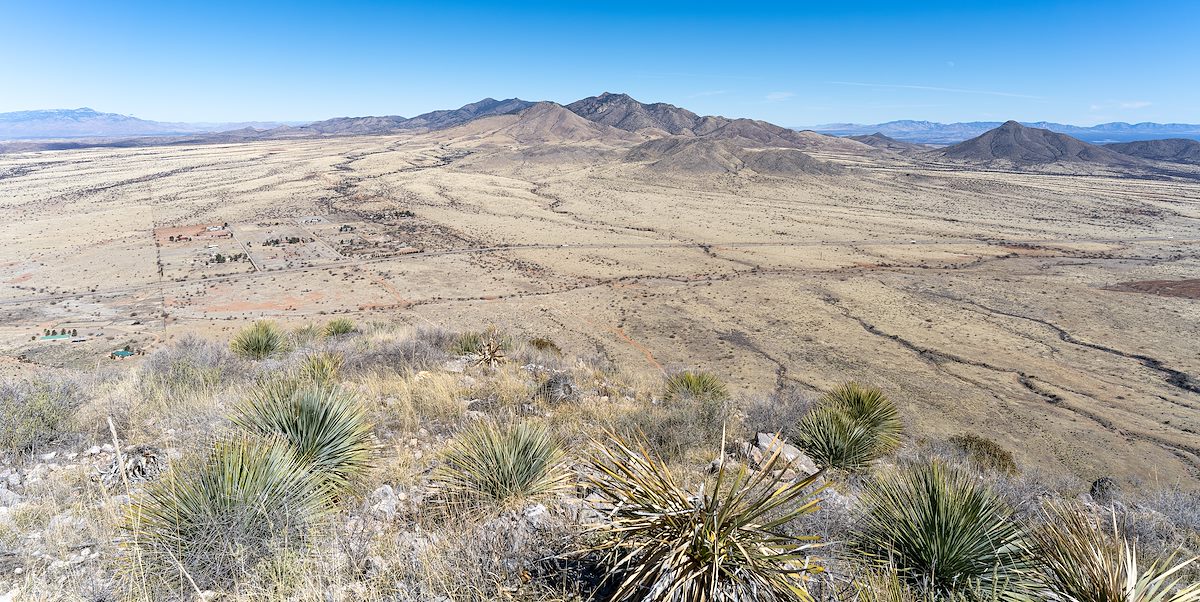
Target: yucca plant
{"points": [[704, 386], [493, 465], [260, 341], [850, 427], [209, 522], [662, 542], [886, 585], [1081, 558], [944, 532], [325, 425], [321, 368], [339, 326]]}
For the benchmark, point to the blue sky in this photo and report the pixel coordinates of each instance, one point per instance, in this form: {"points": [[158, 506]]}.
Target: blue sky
{"points": [[796, 63]]}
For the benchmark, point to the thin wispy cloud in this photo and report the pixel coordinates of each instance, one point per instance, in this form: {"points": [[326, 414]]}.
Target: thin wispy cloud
{"points": [[1121, 104], [779, 96], [937, 89]]}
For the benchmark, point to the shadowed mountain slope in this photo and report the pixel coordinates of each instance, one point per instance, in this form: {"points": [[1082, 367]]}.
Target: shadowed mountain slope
{"points": [[878, 140], [1174, 150]]}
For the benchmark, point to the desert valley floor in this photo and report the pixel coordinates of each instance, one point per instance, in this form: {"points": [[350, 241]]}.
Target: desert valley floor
{"points": [[1043, 310]]}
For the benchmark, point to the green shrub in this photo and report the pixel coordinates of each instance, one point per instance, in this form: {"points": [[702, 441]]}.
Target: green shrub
{"points": [[941, 529], [1082, 558], [324, 425], [661, 541], [675, 430], [339, 326], [36, 412], [260, 341], [208, 523], [695, 385], [467, 343], [985, 453], [850, 427], [491, 465]]}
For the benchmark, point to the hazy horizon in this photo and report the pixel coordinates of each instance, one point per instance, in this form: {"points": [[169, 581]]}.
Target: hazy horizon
{"points": [[791, 64]]}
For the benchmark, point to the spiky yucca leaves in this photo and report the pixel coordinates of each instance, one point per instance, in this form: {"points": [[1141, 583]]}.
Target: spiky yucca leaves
{"points": [[339, 326], [850, 427], [321, 368], [260, 341], [493, 465], [703, 386], [664, 543], [325, 425], [208, 523], [886, 585], [943, 531], [1081, 559]]}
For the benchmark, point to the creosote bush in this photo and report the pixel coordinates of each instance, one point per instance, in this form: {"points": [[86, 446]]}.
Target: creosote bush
{"points": [[850, 427], [208, 523], [497, 466], [325, 426], [36, 412], [941, 529], [661, 541], [260, 341]]}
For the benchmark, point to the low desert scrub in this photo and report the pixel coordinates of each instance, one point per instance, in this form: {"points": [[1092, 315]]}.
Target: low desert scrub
{"points": [[324, 425], [258, 342], [209, 522], [339, 327], [985, 453], [661, 541], [850, 427], [322, 368], [190, 369], [781, 412], [546, 345], [1084, 558], [410, 401], [681, 428], [37, 411], [945, 532], [499, 466]]}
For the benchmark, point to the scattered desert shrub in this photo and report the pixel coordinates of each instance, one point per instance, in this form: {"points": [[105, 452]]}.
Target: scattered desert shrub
{"points": [[779, 412], [325, 426], [339, 327], [191, 367], [493, 465], [703, 386], [850, 427], [321, 368], [1084, 558], [664, 542], [36, 412], [546, 345], [399, 355], [985, 453], [208, 523], [558, 388], [307, 335], [675, 429], [943, 530], [260, 341]]}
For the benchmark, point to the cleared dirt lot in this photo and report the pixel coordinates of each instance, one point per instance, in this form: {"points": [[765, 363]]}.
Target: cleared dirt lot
{"points": [[990, 302]]}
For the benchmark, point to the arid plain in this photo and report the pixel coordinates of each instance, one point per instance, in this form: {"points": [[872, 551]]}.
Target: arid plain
{"points": [[987, 301]]}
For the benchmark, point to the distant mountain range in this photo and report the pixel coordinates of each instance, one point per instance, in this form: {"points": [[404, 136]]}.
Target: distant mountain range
{"points": [[89, 123], [931, 132]]}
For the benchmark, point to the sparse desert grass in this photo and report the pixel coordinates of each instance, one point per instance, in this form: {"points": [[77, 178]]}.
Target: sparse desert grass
{"points": [[191, 369], [339, 327], [703, 386], [985, 453], [664, 542], [323, 368], [497, 466], [37, 411]]}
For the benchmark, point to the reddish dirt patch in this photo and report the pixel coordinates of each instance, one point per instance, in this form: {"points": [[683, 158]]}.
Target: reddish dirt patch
{"points": [[1188, 289]]}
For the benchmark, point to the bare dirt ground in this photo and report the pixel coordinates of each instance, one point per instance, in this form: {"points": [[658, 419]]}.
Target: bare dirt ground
{"points": [[983, 301]]}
